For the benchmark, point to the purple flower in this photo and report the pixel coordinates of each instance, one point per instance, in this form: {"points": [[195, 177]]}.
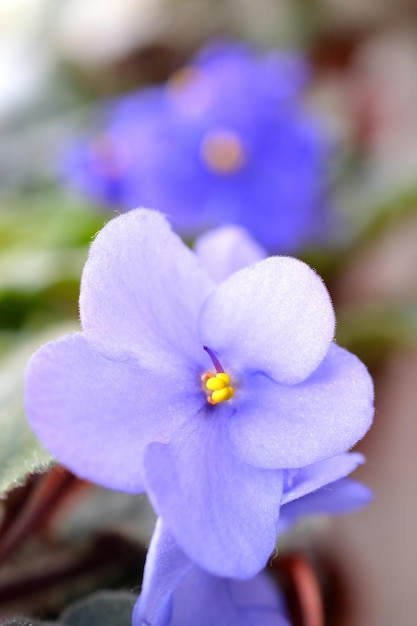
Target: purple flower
{"points": [[214, 399], [226, 140], [176, 592]]}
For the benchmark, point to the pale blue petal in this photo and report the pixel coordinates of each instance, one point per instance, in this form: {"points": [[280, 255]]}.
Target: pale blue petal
{"points": [[141, 291], [223, 513], [342, 496], [313, 477], [289, 426], [274, 316], [96, 415], [226, 250], [165, 567], [175, 592]]}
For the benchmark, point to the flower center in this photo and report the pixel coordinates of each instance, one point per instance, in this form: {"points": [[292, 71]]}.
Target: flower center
{"points": [[222, 151], [183, 78], [217, 386], [108, 157]]}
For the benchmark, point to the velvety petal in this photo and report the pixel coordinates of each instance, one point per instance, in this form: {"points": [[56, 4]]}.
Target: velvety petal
{"points": [[226, 250], [342, 496], [291, 426], [141, 291], [165, 567], [209, 600], [312, 477], [274, 316], [176, 592], [96, 415], [222, 513]]}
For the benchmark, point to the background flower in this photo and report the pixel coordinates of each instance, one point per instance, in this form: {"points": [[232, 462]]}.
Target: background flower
{"points": [[227, 139]]}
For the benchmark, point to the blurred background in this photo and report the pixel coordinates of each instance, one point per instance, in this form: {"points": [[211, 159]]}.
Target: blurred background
{"points": [[58, 60]]}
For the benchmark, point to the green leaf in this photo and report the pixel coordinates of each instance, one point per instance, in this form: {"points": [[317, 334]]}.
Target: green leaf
{"points": [[21, 453], [372, 331], [44, 243], [26, 621], [48, 219], [105, 608]]}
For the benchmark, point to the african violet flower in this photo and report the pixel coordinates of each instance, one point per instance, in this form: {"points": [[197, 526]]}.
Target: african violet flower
{"points": [[226, 140], [176, 592], [217, 400]]}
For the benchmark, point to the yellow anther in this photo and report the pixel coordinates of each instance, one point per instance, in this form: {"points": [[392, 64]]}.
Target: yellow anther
{"points": [[220, 381], [222, 151], [221, 395], [220, 387], [110, 161], [183, 78]]}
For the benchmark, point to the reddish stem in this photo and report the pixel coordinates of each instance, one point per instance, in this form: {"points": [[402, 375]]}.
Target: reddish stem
{"points": [[42, 501], [302, 589]]}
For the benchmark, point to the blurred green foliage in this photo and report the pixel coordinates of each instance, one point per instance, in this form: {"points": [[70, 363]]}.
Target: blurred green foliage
{"points": [[44, 239]]}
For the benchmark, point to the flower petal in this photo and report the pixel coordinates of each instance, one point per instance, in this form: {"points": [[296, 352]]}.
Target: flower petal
{"points": [[141, 291], [315, 476], [96, 415], [275, 317], [280, 426], [206, 600], [222, 513], [226, 250], [177, 592], [165, 567], [342, 496]]}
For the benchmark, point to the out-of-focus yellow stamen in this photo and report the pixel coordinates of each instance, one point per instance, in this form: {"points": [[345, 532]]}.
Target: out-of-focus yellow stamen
{"points": [[222, 151], [183, 77], [106, 154], [219, 386]]}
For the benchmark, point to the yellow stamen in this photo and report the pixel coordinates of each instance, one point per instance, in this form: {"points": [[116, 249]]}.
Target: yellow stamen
{"points": [[222, 151], [220, 387], [183, 78], [107, 155]]}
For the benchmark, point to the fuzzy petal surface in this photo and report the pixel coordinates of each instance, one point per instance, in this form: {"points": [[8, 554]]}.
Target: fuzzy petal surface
{"points": [[313, 477], [141, 291], [274, 316], [290, 426], [223, 513], [165, 567], [342, 496], [207, 600], [225, 250], [176, 592], [96, 415]]}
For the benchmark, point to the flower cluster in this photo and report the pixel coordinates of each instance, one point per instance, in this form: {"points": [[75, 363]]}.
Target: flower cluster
{"points": [[226, 140], [215, 387]]}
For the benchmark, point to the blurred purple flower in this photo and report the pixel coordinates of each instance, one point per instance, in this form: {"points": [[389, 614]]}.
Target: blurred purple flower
{"points": [[176, 592], [215, 400], [226, 140]]}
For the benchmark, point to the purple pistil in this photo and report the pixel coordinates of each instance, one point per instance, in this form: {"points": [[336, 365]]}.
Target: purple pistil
{"points": [[214, 359]]}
